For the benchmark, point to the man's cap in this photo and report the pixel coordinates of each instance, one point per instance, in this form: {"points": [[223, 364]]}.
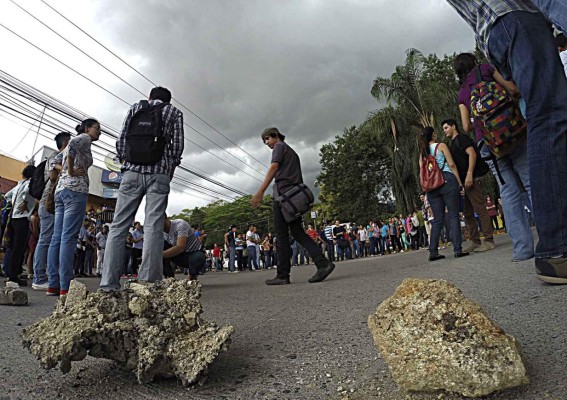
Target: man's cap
{"points": [[272, 131]]}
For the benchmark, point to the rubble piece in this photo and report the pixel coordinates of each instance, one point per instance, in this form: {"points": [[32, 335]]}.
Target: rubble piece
{"points": [[153, 329], [433, 338], [13, 297]]}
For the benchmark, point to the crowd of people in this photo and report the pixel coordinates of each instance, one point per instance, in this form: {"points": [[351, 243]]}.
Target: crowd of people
{"points": [[525, 150]]}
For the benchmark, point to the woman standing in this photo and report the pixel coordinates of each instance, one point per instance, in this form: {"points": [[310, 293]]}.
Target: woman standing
{"points": [[34, 237], [447, 195], [492, 212], [267, 247], [71, 195], [22, 205]]}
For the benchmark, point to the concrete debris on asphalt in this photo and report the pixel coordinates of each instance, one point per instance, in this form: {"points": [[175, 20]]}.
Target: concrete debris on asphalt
{"points": [[155, 330], [433, 338], [13, 297]]}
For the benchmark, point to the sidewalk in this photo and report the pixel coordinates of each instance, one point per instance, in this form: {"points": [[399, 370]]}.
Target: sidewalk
{"points": [[311, 341]]}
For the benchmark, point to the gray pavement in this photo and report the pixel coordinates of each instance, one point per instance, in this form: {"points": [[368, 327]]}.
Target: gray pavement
{"points": [[311, 341]]}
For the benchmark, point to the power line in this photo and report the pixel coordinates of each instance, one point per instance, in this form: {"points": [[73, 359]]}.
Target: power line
{"points": [[150, 81], [124, 101]]}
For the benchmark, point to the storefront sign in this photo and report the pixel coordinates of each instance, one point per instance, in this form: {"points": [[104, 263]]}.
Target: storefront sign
{"points": [[111, 177], [109, 193]]}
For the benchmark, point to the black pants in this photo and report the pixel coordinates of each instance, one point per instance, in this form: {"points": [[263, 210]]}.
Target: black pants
{"points": [[136, 257], [20, 235], [283, 229], [192, 261], [79, 261]]}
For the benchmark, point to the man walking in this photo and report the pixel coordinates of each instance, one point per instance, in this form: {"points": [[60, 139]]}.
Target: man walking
{"points": [[150, 145], [464, 153], [517, 39], [285, 168]]}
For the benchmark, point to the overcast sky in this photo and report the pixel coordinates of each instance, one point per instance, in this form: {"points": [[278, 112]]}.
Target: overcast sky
{"points": [[304, 66]]}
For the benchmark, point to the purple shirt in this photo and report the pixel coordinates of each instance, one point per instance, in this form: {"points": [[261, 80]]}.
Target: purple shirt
{"points": [[487, 72]]}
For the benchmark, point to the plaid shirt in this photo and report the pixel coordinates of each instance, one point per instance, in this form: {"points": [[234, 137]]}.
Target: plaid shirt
{"points": [[482, 14], [173, 130]]}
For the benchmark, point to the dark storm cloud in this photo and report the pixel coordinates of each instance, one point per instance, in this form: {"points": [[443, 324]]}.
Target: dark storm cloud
{"points": [[304, 66]]}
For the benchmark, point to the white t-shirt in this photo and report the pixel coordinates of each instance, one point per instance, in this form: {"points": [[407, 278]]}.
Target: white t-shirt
{"points": [[362, 233], [250, 235]]}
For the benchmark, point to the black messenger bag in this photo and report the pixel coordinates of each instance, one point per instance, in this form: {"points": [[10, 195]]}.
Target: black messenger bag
{"points": [[295, 202]]}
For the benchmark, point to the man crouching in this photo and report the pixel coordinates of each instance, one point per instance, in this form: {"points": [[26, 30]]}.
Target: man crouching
{"points": [[182, 248]]}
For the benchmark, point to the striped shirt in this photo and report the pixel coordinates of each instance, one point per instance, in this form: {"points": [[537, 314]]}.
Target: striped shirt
{"points": [[180, 228], [482, 14], [173, 131]]}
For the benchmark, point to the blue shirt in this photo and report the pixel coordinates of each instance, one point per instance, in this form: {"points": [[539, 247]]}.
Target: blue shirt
{"points": [[440, 157], [385, 230], [137, 235]]}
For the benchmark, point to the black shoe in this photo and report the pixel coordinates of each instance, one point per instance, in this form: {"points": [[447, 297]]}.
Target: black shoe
{"points": [[322, 272], [436, 257], [277, 281], [552, 270], [461, 254]]}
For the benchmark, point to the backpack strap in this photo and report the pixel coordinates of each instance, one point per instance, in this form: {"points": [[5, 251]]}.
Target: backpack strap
{"points": [[492, 157], [478, 75], [444, 158]]}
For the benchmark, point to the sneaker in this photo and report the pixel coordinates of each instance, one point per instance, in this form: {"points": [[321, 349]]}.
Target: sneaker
{"points": [[472, 247], [63, 292], [192, 277], [490, 244], [322, 272], [12, 285], [52, 292], [278, 281], [235, 271], [461, 254], [40, 286], [436, 257], [552, 270]]}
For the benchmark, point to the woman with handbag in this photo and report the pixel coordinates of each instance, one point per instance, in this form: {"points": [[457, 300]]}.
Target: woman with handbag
{"points": [[18, 227], [71, 195], [440, 179]]}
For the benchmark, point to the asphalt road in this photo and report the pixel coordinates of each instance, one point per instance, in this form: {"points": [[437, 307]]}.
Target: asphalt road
{"points": [[311, 341]]}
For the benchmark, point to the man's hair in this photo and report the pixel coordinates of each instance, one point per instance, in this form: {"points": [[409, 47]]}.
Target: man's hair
{"points": [[450, 122], [272, 132], [61, 139], [28, 171], [250, 226], [160, 93], [136, 223], [561, 41]]}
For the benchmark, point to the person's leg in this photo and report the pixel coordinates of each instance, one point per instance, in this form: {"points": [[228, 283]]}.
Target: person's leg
{"points": [[231, 259], [75, 205], [451, 198], [129, 198], [100, 261], [555, 11], [522, 47], [438, 206], [513, 201], [20, 231], [470, 220], [54, 247], [46, 221], [331, 250], [282, 233], [253, 257]]}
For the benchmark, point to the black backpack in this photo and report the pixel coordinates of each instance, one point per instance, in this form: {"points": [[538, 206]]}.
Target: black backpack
{"points": [[38, 181], [145, 137]]}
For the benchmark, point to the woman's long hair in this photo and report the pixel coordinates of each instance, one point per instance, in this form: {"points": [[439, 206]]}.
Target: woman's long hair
{"points": [[463, 64], [424, 139]]}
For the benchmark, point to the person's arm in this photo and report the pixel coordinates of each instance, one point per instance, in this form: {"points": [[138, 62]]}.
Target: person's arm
{"points": [[137, 240], [450, 162], [177, 249], [71, 170], [177, 143], [510, 87], [90, 242], [35, 225], [466, 118], [472, 162], [257, 199]]}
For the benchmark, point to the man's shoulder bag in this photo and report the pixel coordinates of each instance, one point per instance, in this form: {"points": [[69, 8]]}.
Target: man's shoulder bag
{"points": [[295, 202]]}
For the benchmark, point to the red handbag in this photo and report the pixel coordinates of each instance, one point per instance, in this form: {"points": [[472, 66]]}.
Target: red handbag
{"points": [[430, 175]]}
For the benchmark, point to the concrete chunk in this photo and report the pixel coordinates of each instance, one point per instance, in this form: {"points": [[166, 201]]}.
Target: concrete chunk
{"points": [[155, 330], [13, 297]]}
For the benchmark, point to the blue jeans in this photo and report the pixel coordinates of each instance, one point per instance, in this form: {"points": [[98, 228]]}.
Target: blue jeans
{"points": [[372, 245], [133, 188], [356, 249], [555, 10], [70, 210], [514, 169], [252, 257], [522, 48], [231, 258], [330, 250], [446, 196], [46, 221]]}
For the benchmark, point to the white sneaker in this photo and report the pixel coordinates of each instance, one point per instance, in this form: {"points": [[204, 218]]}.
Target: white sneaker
{"points": [[12, 285], [40, 286]]}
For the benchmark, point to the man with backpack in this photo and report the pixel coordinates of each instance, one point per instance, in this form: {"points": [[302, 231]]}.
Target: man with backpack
{"points": [[150, 147], [518, 40], [51, 168], [470, 167]]}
